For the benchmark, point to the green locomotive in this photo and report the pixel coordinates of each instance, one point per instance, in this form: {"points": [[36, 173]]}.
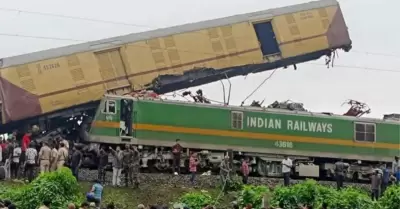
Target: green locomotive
{"points": [[315, 141]]}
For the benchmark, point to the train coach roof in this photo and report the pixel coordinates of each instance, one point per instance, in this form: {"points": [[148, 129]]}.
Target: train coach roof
{"points": [[119, 40]]}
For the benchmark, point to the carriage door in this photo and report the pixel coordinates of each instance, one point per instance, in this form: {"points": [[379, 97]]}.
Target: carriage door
{"points": [[112, 71], [266, 37], [126, 116]]}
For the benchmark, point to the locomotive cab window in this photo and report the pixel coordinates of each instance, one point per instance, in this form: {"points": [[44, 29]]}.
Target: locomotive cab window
{"points": [[237, 120], [365, 132], [110, 107]]}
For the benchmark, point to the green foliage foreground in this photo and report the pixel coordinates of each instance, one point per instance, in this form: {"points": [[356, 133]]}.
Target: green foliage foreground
{"points": [[306, 193], [61, 188]]}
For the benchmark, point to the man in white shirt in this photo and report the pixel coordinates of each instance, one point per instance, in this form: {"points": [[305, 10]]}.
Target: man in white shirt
{"points": [[396, 168], [286, 169], [31, 159], [16, 154]]}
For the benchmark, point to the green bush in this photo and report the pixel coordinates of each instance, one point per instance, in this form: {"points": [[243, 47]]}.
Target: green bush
{"points": [[233, 184], [391, 197], [59, 187], [252, 195], [311, 193], [351, 198], [196, 200], [306, 193]]}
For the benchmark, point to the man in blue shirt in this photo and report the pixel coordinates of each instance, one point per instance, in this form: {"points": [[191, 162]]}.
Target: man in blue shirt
{"points": [[385, 178], [97, 190]]}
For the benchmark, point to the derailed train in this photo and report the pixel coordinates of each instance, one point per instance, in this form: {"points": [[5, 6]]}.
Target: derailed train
{"points": [[57, 83], [315, 141]]}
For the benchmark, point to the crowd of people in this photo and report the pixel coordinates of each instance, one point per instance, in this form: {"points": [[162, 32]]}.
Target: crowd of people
{"points": [[21, 156]]}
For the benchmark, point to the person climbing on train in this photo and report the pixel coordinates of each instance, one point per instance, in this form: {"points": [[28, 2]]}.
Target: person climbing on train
{"points": [[176, 154]]}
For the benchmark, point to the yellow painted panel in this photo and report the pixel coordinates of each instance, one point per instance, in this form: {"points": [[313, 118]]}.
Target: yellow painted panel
{"points": [[245, 36], [192, 54], [11, 75], [305, 46], [90, 67], [191, 51], [139, 58], [302, 25], [70, 98]]}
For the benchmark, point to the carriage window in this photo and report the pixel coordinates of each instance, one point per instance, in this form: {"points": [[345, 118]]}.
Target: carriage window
{"points": [[110, 107], [365, 132], [237, 120]]}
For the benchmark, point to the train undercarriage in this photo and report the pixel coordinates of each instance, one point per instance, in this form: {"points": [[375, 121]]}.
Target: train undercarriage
{"points": [[159, 160]]}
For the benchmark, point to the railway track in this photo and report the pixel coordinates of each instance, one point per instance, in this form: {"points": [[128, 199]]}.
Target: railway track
{"points": [[203, 181]]}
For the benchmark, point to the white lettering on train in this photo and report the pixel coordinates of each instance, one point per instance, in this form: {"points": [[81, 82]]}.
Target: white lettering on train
{"points": [[292, 125]]}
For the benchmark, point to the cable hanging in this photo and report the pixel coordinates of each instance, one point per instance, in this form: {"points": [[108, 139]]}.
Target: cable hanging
{"points": [[259, 86]]}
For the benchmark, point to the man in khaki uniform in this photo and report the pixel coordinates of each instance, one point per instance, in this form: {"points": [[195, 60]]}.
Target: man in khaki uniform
{"points": [[44, 157], [66, 143], [62, 155], [53, 158]]}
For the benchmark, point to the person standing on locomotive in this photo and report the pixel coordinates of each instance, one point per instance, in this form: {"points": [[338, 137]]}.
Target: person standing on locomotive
{"points": [[176, 154]]}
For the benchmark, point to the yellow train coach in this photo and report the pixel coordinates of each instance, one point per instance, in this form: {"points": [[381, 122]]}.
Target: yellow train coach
{"points": [[39, 83]]}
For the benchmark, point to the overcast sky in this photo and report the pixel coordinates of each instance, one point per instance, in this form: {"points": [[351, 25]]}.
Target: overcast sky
{"points": [[368, 73]]}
